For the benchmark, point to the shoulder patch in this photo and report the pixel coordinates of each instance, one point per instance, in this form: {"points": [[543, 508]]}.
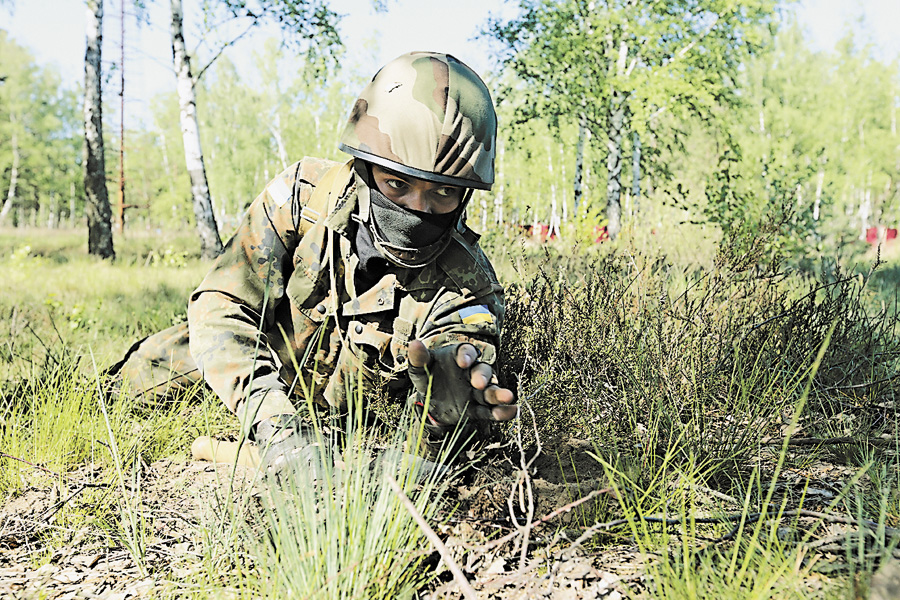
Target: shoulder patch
{"points": [[476, 314], [278, 191]]}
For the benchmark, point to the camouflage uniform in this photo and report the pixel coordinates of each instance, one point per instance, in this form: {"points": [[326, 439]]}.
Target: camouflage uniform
{"points": [[283, 295]]}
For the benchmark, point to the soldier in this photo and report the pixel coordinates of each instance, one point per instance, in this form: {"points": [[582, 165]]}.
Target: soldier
{"points": [[355, 273]]}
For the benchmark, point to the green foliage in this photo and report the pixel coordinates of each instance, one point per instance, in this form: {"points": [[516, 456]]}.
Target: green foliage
{"points": [[310, 26], [273, 123], [811, 148], [621, 64], [39, 121], [650, 353]]}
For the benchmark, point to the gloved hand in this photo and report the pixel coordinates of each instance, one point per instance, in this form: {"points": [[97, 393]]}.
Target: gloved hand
{"points": [[286, 443], [460, 386]]}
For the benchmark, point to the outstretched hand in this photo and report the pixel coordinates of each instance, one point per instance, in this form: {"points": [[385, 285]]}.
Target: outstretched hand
{"points": [[460, 386]]}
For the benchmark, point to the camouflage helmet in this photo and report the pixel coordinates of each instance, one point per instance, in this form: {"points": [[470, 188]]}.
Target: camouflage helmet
{"points": [[429, 116]]}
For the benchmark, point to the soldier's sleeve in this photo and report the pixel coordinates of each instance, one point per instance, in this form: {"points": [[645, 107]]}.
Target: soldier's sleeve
{"points": [[235, 304], [471, 308]]}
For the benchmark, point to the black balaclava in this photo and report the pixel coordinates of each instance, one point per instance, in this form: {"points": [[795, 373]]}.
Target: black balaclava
{"points": [[408, 238]]}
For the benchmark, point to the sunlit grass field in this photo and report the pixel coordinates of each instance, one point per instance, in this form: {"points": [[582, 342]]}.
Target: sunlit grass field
{"points": [[718, 396]]}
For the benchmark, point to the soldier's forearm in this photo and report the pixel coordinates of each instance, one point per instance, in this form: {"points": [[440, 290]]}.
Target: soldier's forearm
{"points": [[232, 354]]}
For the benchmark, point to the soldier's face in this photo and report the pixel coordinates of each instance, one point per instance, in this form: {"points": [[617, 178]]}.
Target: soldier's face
{"points": [[413, 193]]}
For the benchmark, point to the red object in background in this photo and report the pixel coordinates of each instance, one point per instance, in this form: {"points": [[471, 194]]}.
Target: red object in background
{"points": [[872, 235], [601, 234], [875, 235], [540, 231]]}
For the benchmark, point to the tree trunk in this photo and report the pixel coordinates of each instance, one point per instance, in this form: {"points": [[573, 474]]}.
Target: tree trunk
{"points": [[820, 181], [636, 173], [13, 175], [553, 222], [210, 243], [614, 164], [275, 129], [99, 216], [498, 199], [578, 185]]}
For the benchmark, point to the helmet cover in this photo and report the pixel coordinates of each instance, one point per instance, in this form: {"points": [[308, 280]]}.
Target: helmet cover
{"points": [[426, 115]]}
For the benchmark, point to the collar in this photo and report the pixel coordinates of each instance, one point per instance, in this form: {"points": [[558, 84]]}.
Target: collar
{"points": [[339, 219]]}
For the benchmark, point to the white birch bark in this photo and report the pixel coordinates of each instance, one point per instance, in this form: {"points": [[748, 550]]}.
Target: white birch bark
{"points": [[636, 173], [817, 203], [210, 243], [614, 148], [13, 175]]}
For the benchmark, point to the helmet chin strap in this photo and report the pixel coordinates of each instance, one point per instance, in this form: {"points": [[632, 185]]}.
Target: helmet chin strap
{"points": [[395, 229]]}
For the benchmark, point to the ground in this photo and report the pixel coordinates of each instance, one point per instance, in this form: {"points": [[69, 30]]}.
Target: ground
{"points": [[177, 497]]}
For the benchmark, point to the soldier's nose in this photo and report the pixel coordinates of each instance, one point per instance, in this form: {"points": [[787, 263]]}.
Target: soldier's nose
{"points": [[417, 201]]}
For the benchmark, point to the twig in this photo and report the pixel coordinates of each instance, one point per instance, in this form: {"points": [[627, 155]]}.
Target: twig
{"points": [[813, 514], [826, 541], [71, 480], [829, 441], [467, 590], [500, 541], [31, 464], [710, 491], [200, 73], [524, 478], [730, 518], [861, 385], [55, 509]]}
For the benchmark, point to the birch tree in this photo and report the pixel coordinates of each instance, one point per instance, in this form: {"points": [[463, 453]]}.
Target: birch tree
{"points": [[311, 26], [41, 137], [210, 243], [621, 63], [99, 216]]}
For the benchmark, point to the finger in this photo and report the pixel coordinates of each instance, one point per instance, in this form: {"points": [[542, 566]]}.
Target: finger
{"points": [[496, 413], [466, 355], [418, 354], [498, 395], [504, 413], [480, 376]]}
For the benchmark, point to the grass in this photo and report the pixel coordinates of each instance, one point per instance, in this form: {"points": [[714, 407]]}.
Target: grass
{"points": [[684, 376], [347, 536]]}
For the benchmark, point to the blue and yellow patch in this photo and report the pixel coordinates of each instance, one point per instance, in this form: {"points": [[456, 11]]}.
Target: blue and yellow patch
{"points": [[475, 314]]}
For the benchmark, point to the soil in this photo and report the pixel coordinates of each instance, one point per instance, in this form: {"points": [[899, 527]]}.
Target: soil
{"points": [[179, 496]]}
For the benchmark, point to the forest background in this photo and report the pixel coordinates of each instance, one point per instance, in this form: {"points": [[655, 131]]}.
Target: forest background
{"points": [[810, 130], [714, 387]]}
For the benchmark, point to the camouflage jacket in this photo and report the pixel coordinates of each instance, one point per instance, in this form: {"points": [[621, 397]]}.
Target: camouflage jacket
{"points": [[278, 302]]}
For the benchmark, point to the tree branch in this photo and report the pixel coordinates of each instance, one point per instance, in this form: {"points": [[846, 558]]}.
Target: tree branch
{"points": [[222, 49]]}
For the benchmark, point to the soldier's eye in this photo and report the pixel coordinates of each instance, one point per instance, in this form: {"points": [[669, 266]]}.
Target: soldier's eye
{"points": [[396, 184], [446, 192]]}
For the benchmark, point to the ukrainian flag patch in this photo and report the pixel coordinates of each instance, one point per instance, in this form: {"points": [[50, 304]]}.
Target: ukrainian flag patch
{"points": [[476, 314]]}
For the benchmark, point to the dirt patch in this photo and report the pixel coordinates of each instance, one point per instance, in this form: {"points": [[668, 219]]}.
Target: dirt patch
{"points": [[40, 556]]}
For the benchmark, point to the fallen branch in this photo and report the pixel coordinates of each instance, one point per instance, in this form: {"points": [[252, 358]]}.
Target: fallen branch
{"points": [[54, 473], [465, 587], [55, 508], [31, 464], [730, 518], [524, 478], [829, 441]]}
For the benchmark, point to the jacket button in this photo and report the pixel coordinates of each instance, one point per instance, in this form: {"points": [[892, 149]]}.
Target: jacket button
{"points": [[359, 329], [381, 301], [321, 308]]}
